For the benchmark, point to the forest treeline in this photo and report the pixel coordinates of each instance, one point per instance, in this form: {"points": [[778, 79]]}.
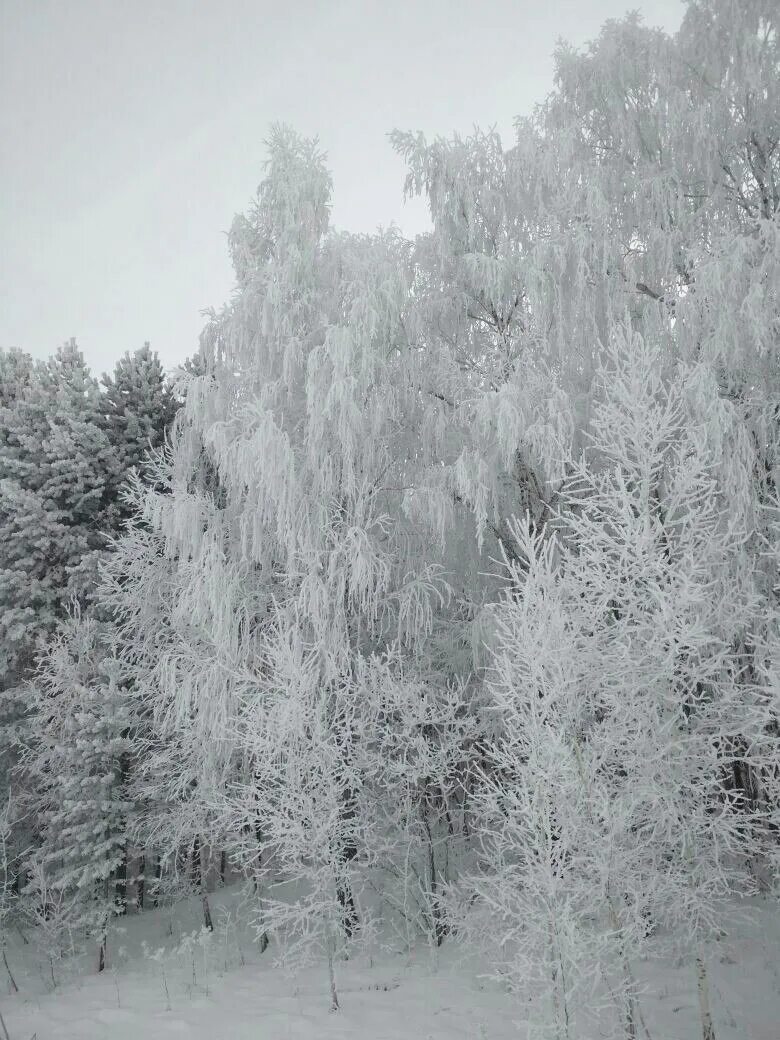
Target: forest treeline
{"points": [[451, 595]]}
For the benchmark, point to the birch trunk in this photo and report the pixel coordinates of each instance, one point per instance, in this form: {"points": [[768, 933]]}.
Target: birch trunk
{"points": [[703, 988]]}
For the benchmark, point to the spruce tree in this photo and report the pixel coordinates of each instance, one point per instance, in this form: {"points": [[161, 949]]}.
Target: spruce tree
{"points": [[16, 371], [56, 469], [140, 406], [79, 741], [56, 465]]}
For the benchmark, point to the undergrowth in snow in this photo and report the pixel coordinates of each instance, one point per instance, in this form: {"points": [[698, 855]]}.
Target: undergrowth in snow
{"points": [[167, 979]]}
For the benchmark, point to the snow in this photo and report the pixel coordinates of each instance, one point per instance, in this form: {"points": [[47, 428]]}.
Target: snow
{"points": [[414, 995], [327, 649]]}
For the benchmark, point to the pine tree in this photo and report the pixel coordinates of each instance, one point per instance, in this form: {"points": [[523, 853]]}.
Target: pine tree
{"points": [[56, 466], [16, 371], [79, 739], [140, 406]]}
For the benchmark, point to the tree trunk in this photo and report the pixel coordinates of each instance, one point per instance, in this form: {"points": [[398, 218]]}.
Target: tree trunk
{"points": [[630, 1007], [703, 988], [120, 884], [349, 915], [334, 997], [140, 884], [560, 1000], [102, 947], [204, 901], [439, 926], [196, 866], [157, 877], [197, 879], [256, 885], [222, 866], [11, 978]]}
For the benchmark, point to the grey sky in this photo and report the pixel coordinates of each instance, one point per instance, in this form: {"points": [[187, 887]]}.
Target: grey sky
{"points": [[133, 131]]}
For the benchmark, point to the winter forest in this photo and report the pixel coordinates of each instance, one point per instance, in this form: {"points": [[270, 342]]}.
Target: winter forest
{"points": [[427, 618]]}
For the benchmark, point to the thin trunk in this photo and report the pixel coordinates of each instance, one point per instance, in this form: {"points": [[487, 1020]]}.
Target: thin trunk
{"points": [[120, 884], [556, 1001], [349, 851], [334, 997], [629, 1013], [560, 1001], [14, 987], [348, 848], [703, 988], [349, 914], [197, 878], [256, 883], [222, 866], [120, 874], [140, 885], [439, 927], [630, 1009], [157, 877], [102, 949], [104, 888], [197, 870], [204, 902]]}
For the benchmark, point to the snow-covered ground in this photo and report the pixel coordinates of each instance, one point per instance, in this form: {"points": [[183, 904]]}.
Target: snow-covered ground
{"points": [[167, 982]]}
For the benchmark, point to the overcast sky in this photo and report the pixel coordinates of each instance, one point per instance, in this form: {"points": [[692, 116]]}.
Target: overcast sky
{"points": [[132, 131]]}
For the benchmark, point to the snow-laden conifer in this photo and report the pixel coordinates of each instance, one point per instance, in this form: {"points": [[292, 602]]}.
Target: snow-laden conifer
{"points": [[79, 741], [140, 406]]}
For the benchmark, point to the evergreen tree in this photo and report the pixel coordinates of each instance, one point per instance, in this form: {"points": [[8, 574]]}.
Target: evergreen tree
{"points": [[140, 406], [16, 372], [56, 469], [56, 465], [79, 739]]}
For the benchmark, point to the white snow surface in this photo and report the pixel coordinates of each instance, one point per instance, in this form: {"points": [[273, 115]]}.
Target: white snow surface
{"points": [[164, 982]]}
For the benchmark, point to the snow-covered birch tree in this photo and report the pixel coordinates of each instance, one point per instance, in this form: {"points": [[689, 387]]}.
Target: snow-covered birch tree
{"points": [[609, 808], [280, 513]]}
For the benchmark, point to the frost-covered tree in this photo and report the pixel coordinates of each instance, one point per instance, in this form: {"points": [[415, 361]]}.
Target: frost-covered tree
{"points": [[588, 338], [79, 740], [283, 507], [414, 797], [26, 527], [644, 188], [16, 369], [166, 820], [618, 677], [140, 405], [301, 795], [56, 467]]}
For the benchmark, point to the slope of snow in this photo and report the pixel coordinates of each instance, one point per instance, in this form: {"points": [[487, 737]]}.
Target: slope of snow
{"points": [[170, 982]]}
